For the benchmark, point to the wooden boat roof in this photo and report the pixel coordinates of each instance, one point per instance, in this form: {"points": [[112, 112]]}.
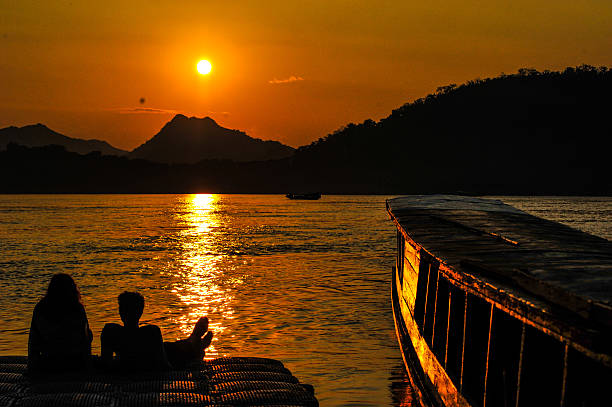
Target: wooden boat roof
{"points": [[543, 263]]}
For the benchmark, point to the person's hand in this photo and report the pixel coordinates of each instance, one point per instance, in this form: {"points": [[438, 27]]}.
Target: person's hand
{"points": [[207, 340]]}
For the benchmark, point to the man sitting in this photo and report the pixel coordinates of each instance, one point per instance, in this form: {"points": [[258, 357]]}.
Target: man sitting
{"points": [[142, 348]]}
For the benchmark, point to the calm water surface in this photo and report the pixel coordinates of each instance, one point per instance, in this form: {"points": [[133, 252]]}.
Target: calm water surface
{"points": [[306, 282]]}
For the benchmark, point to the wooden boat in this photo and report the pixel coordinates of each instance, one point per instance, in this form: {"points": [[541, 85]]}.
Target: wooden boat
{"points": [[309, 196], [495, 307]]}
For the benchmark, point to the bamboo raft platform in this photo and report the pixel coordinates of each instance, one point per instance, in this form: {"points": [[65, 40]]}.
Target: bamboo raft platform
{"points": [[496, 307], [235, 381]]}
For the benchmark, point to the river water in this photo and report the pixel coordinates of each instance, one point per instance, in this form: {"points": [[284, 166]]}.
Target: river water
{"points": [[305, 282]]}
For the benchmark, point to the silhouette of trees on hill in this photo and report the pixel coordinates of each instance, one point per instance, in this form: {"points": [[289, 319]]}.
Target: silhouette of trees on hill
{"points": [[52, 169], [526, 133], [530, 132]]}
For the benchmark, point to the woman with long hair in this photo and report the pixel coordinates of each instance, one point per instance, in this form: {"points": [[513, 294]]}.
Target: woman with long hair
{"points": [[60, 337]]}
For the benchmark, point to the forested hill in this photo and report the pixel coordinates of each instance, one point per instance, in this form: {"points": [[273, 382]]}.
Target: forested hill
{"points": [[530, 132]]}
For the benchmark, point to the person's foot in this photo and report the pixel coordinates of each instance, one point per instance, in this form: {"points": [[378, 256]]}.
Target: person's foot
{"points": [[200, 328]]}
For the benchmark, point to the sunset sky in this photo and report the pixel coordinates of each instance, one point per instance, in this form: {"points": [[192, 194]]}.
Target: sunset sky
{"points": [[282, 70]]}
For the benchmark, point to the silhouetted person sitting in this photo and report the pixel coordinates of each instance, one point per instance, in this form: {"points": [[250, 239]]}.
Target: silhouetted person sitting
{"points": [[142, 348], [60, 338]]}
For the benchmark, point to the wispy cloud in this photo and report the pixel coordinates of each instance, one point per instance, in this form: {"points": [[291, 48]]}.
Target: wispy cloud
{"points": [[213, 113], [287, 80], [144, 110], [153, 110]]}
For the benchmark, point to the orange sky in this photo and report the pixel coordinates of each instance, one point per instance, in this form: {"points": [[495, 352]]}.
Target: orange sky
{"points": [[81, 66]]}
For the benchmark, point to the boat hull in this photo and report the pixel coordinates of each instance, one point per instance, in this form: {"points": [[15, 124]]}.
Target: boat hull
{"points": [[477, 321], [432, 385]]}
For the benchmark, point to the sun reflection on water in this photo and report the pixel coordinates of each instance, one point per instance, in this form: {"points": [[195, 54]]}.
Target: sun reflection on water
{"points": [[199, 279]]}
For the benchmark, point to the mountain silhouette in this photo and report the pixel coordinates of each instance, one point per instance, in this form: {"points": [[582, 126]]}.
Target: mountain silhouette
{"points": [[529, 133], [190, 140], [38, 135]]}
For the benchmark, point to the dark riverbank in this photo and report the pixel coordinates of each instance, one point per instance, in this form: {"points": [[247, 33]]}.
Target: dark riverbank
{"points": [[52, 169]]}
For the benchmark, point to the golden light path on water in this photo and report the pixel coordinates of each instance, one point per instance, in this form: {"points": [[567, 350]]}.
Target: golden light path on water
{"points": [[200, 271]]}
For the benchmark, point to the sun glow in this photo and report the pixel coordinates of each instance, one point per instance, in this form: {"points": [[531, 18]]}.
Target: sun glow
{"points": [[204, 67], [203, 202]]}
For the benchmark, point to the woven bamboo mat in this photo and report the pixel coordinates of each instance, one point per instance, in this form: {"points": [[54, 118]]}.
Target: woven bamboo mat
{"points": [[237, 381]]}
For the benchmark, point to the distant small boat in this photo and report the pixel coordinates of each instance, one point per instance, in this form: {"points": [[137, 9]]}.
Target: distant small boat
{"points": [[311, 196]]}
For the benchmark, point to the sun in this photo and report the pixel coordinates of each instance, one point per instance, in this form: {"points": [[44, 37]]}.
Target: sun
{"points": [[204, 67]]}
